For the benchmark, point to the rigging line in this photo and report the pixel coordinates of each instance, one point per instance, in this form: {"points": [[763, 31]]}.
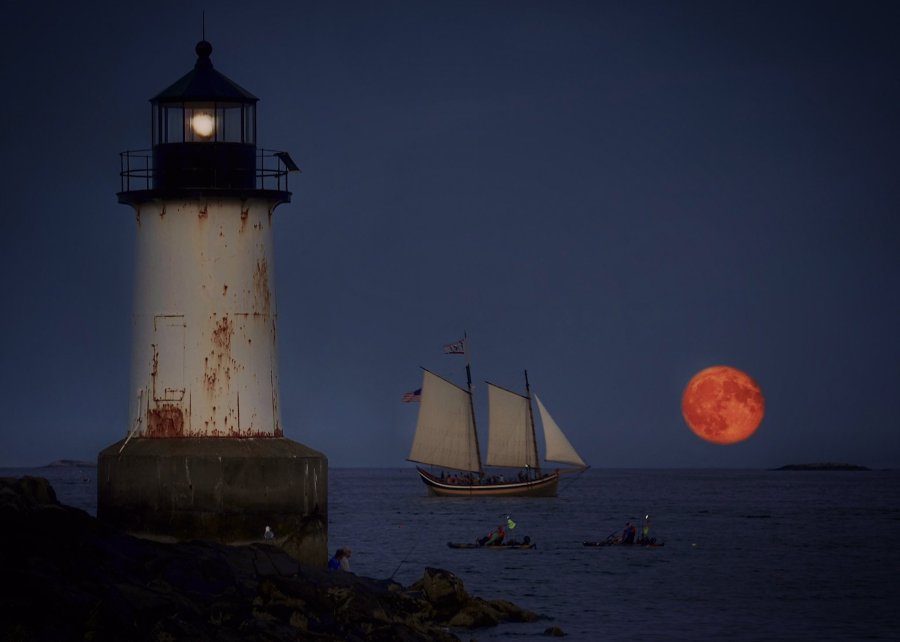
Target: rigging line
{"points": [[404, 560], [574, 479]]}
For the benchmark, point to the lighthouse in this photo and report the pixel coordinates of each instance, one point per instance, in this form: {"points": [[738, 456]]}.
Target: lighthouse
{"points": [[204, 454]]}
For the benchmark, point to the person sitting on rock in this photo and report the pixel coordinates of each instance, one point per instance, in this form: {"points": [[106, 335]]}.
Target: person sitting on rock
{"points": [[335, 563]]}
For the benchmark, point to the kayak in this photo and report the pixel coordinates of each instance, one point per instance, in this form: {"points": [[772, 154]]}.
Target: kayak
{"points": [[514, 545], [637, 544]]}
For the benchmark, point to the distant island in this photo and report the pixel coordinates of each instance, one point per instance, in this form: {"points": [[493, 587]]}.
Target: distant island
{"points": [[72, 462], [822, 466]]}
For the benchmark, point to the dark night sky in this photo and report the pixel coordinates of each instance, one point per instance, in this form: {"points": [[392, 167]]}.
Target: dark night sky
{"points": [[611, 195]]}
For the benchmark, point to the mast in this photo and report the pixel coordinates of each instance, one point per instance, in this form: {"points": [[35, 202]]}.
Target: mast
{"points": [[472, 400], [531, 424]]}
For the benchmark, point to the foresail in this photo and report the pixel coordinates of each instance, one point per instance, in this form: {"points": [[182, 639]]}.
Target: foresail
{"points": [[445, 431], [510, 433], [558, 448]]}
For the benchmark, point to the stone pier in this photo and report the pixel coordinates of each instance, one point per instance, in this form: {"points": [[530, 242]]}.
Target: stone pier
{"points": [[221, 490]]}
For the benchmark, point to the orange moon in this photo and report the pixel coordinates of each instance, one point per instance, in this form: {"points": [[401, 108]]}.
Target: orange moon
{"points": [[722, 405]]}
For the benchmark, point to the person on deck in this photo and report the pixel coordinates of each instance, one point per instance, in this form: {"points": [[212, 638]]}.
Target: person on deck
{"points": [[628, 533], [645, 531]]}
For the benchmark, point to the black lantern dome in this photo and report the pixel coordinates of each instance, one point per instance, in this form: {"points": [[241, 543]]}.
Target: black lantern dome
{"points": [[204, 139]]}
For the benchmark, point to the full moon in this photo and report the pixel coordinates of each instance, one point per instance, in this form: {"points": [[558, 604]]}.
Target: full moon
{"points": [[722, 405]]}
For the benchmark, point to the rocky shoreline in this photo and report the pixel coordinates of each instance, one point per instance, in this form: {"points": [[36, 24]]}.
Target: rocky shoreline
{"points": [[70, 577]]}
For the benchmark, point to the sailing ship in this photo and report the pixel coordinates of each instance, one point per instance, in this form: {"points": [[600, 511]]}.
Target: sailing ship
{"points": [[446, 437]]}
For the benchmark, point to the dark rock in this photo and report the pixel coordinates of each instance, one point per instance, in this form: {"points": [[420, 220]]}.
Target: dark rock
{"points": [[71, 577], [443, 590], [555, 632], [26, 493], [447, 596]]}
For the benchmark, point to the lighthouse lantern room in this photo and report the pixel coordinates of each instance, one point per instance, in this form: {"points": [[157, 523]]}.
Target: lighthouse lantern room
{"points": [[204, 131]]}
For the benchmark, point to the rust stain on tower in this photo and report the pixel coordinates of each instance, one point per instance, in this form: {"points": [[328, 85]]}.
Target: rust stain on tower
{"points": [[262, 295], [245, 212], [222, 338], [166, 420]]}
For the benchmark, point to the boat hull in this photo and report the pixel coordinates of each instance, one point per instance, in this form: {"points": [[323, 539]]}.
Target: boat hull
{"points": [[543, 487], [634, 544], [499, 547]]}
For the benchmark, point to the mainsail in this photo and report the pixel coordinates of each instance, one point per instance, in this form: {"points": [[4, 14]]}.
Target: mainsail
{"points": [[557, 446], [445, 432], [511, 431]]}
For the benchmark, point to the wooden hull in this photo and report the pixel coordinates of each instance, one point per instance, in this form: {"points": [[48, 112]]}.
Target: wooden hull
{"points": [[543, 487]]}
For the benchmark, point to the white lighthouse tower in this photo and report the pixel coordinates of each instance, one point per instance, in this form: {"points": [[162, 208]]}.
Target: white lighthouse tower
{"points": [[204, 456]]}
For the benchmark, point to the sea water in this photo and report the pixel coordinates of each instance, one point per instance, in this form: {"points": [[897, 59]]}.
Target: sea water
{"points": [[748, 555]]}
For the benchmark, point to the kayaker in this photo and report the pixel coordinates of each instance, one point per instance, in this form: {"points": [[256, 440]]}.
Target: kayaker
{"points": [[495, 537], [628, 533]]}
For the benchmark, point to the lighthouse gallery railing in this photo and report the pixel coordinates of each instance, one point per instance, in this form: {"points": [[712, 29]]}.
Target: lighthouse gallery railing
{"points": [[272, 169]]}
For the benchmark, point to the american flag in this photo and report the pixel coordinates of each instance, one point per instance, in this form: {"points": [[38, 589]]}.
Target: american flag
{"points": [[413, 395], [456, 348]]}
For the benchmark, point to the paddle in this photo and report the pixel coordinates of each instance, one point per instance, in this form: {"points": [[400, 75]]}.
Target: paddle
{"points": [[612, 536], [645, 530]]}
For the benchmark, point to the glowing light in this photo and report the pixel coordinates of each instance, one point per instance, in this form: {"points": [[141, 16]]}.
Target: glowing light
{"points": [[203, 124]]}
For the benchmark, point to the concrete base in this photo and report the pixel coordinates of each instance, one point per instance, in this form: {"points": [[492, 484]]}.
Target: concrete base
{"points": [[218, 489]]}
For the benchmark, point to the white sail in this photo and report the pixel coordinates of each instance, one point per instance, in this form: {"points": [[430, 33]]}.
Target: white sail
{"points": [[557, 446], [445, 432], [511, 434]]}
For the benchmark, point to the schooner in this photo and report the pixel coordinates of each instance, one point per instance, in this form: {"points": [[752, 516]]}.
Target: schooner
{"points": [[446, 437]]}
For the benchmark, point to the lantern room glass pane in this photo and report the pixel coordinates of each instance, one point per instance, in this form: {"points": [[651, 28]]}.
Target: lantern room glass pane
{"points": [[168, 124], [231, 124], [204, 122], [250, 124]]}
